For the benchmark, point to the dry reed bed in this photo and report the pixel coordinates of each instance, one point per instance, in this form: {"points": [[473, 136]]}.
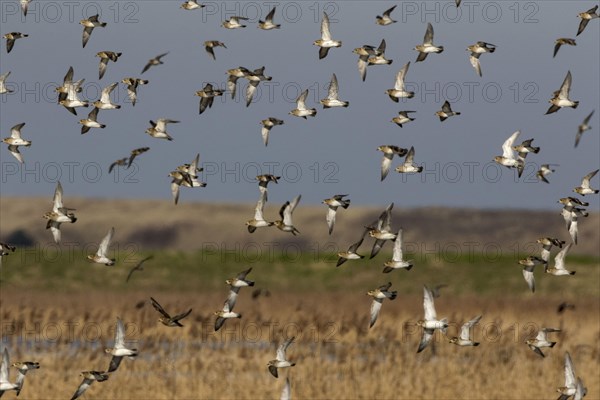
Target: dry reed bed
{"points": [[337, 356]]}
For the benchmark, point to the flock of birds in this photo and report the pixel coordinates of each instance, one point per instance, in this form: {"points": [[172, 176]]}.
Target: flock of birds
{"points": [[513, 156]]}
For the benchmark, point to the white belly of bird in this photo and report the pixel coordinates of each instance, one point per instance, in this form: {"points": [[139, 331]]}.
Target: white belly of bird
{"points": [[349, 256], [123, 353], [383, 235], [434, 325], [400, 93], [335, 103], [396, 264], [430, 49], [91, 124], [303, 113], [564, 103], [330, 43], [283, 364], [407, 168], [61, 218], [105, 106], [7, 386]]}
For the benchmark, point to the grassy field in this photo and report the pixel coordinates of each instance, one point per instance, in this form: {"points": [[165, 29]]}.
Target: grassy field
{"points": [[59, 310], [189, 227]]}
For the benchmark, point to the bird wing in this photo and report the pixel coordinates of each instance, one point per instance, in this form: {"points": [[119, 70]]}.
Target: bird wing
{"points": [[428, 306], [182, 315], [219, 323], [250, 90], [582, 26], [428, 39], [55, 229], [4, 366], [131, 271], [333, 88], [270, 15], [115, 361], [102, 67], [474, 59], [93, 115], [325, 34], [15, 131], [556, 48], [87, 32], [386, 218], [400, 77], [58, 192], [105, 97], [282, 349], [232, 298], [14, 150], [585, 183], [529, 277], [286, 392], [260, 205], [541, 335], [397, 252], [537, 350], [287, 217], [569, 371], [425, 339], [580, 390], [175, 190], [243, 274], [147, 66], [362, 67], [68, 76], [559, 259], [300, 102], [565, 87], [331, 211], [446, 107], [507, 151], [209, 50], [159, 308], [386, 163], [103, 247], [20, 381], [410, 156], [375, 307], [587, 119], [119, 335], [82, 388], [387, 12], [466, 328], [354, 247], [382, 45]]}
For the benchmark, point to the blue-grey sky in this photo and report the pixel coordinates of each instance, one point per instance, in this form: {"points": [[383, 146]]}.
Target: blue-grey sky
{"points": [[332, 153]]}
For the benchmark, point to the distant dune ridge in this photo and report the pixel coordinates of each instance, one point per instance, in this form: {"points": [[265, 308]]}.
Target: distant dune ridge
{"points": [[157, 224]]}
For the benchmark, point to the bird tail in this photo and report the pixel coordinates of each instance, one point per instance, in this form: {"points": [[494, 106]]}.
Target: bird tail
{"points": [[576, 103], [445, 322]]}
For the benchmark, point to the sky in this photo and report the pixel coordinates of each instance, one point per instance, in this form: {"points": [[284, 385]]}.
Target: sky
{"points": [[335, 152]]}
